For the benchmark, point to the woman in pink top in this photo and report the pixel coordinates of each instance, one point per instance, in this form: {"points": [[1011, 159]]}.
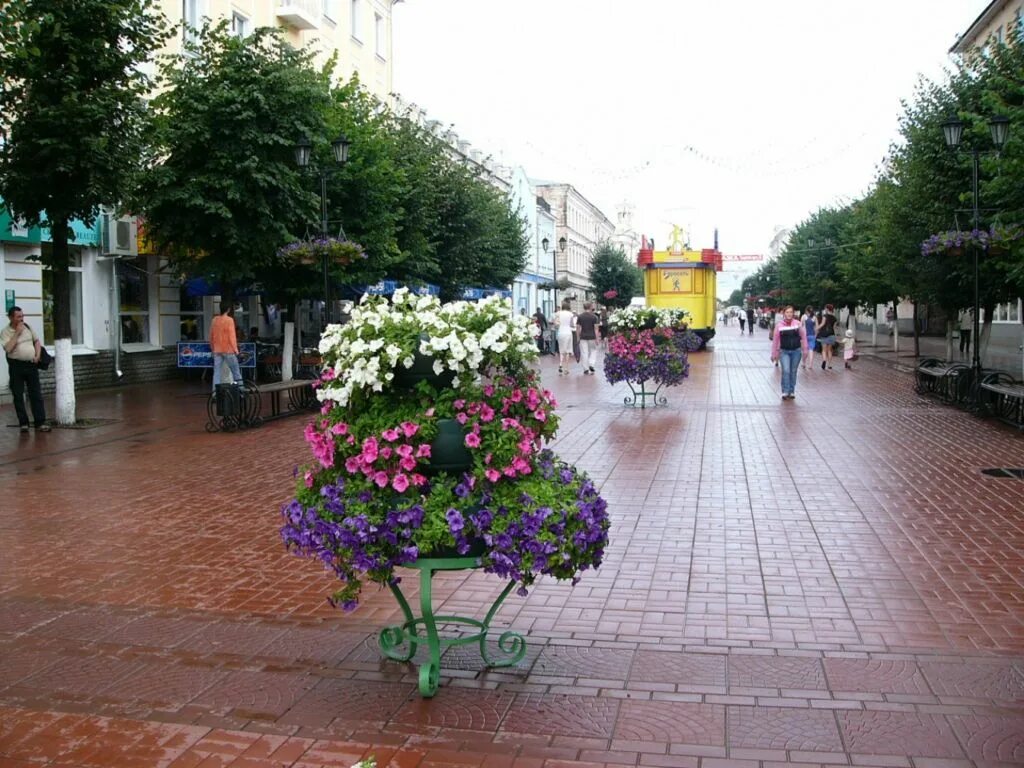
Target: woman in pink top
{"points": [[789, 345]]}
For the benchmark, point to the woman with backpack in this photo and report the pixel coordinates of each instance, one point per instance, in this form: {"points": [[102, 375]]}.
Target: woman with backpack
{"points": [[826, 332]]}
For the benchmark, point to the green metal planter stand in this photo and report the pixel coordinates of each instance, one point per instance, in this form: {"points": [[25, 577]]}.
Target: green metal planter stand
{"points": [[400, 642], [640, 396]]}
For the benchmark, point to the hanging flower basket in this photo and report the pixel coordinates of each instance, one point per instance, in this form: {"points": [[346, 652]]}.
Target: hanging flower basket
{"points": [[339, 252], [611, 294], [998, 238]]}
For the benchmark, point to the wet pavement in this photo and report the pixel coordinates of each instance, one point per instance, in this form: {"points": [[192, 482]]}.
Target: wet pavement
{"points": [[827, 581]]}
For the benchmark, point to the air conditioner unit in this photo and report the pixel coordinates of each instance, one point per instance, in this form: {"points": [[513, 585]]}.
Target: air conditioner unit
{"points": [[121, 236]]}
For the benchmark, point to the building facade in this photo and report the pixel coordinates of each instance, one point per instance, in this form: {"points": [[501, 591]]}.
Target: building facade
{"points": [[584, 226], [992, 26], [624, 236], [359, 31]]}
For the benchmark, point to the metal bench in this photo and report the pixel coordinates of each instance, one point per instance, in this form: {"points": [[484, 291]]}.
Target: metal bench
{"points": [[950, 382], [243, 408], [1003, 397]]}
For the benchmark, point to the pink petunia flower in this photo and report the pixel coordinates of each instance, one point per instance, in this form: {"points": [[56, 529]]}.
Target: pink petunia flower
{"points": [[423, 451], [408, 463], [390, 435], [540, 415], [486, 413], [493, 475], [341, 428], [418, 479], [352, 464], [473, 440], [410, 429], [461, 417], [381, 479], [400, 483], [308, 478], [370, 450], [385, 452], [459, 404], [403, 450]]}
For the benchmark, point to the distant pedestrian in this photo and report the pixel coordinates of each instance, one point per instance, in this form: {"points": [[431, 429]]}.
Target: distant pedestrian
{"points": [[789, 344], [826, 332], [743, 321], [750, 320], [565, 323], [590, 335], [603, 327], [849, 348], [966, 326], [22, 347], [542, 330], [810, 326], [890, 319], [224, 343]]}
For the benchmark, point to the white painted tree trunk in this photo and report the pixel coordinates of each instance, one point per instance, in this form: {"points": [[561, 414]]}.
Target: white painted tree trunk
{"points": [[896, 333], [949, 341], [64, 373], [874, 330], [288, 352]]}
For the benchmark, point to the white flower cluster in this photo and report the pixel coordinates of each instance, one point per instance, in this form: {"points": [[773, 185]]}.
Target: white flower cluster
{"points": [[633, 318], [466, 338]]}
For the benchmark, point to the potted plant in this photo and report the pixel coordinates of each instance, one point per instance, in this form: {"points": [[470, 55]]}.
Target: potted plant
{"points": [[998, 238], [441, 471], [647, 344], [337, 251]]}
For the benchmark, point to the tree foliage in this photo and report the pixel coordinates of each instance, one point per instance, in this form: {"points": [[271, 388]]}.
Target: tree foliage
{"points": [[612, 270], [73, 122]]}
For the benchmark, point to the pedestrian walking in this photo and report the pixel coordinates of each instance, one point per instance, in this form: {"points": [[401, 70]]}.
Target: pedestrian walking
{"points": [[810, 328], [966, 326], [565, 323], [603, 328], [750, 320], [542, 330], [849, 348], [826, 332], [590, 335], [789, 344], [224, 343], [743, 321], [22, 347]]}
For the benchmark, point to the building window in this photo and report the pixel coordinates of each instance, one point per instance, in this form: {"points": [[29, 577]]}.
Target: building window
{"points": [[331, 9], [190, 13], [133, 310], [379, 34], [239, 25], [355, 16], [75, 291], [193, 325]]}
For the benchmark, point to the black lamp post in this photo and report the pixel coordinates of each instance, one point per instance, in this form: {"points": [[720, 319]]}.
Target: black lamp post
{"points": [[554, 263], [999, 130], [303, 152]]}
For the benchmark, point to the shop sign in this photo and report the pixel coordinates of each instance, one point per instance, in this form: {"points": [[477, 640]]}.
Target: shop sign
{"points": [[9, 301], [198, 354]]}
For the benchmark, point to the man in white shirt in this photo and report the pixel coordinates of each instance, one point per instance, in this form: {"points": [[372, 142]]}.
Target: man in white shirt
{"points": [[21, 345]]}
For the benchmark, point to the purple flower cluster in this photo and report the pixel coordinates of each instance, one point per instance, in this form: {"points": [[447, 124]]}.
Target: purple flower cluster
{"points": [[666, 365], [1000, 236]]}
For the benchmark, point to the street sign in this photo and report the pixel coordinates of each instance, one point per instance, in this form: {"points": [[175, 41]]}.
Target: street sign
{"points": [[8, 299], [743, 257]]}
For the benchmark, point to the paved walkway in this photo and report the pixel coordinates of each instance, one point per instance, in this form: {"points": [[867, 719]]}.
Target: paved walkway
{"points": [[828, 581]]}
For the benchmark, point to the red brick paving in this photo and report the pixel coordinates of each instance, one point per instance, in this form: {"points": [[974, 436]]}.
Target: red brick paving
{"points": [[823, 582]]}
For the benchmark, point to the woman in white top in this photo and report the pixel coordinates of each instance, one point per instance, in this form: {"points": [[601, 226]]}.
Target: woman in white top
{"points": [[565, 322]]}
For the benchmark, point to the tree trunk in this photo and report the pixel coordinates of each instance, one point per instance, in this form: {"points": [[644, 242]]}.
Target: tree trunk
{"points": [[874, 327], [896, 326], [63, 369], [949, 341], [917, 332], [986, 330], [288, 349]]}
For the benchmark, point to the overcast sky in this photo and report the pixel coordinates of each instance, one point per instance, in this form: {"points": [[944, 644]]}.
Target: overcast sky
{"points": [[744, 116]]}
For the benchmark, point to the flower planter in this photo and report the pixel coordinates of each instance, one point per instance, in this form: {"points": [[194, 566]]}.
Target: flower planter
{"points": [[422, 370], [448, 452]]}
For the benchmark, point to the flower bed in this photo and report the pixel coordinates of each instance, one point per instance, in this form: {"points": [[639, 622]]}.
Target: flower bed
{"points": [[380, 495]]}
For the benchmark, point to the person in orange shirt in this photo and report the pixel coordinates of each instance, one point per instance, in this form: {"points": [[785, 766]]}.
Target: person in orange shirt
{"points": [[224, 344]]}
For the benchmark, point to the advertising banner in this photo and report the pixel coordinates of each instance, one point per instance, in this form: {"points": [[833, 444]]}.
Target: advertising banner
{"points": [[197, 354]]}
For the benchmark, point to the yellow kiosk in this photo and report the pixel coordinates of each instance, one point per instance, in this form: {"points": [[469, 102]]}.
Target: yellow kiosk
{"points": [[681, 278]]}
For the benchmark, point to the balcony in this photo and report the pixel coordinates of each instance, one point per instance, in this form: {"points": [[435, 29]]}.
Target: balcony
{"points": [[300, 14]]}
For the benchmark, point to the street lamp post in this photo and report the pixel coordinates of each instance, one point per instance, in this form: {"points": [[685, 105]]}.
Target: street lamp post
{"points": [[999, 130], [303, 152], [554, 263]]}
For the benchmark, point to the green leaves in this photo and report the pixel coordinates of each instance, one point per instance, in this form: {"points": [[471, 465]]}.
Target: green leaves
{"points": [[611, 270]]}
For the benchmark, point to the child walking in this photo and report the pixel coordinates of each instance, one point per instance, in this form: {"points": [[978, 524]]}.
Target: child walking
{"points": [[849, 348]]}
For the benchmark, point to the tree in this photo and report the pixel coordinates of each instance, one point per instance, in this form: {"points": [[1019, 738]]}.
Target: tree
{"points": [[223, 192], [735, 298], [611, 270], [74, 125]]}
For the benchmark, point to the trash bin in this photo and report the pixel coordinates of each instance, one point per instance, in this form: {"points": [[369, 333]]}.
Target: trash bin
{"points": [[229, 401]]}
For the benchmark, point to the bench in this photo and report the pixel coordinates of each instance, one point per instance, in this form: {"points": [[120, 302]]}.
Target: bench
{"points": [[1003, 397], [950, 382], [243, 408]]}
